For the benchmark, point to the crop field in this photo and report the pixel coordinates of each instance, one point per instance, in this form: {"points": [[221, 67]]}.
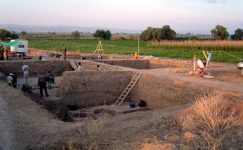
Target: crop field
{"points": [[230, 46], [161, 49]]}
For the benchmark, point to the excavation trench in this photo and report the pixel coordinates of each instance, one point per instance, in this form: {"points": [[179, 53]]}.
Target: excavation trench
{"points": [[76, 93]]}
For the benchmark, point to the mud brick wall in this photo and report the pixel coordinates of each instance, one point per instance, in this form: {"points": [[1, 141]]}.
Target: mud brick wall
{"points": [[57, 67], [91, 88]]}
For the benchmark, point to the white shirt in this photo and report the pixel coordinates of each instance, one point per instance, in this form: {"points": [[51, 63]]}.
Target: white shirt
{"points": [[200, 64], [80, 68], [25, 68], [9, 79]]}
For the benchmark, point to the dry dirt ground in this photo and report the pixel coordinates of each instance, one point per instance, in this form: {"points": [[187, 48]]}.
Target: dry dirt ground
{"points": [[26, 125]]}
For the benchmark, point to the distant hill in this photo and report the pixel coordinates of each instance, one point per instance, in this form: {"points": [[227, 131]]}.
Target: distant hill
{"points": [[61, 29]]}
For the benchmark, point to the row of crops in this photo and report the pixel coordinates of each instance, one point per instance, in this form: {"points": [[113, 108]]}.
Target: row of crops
{"points": [[230, 46]]}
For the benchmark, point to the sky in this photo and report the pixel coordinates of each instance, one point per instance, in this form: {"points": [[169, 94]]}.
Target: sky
{"points": [[195, 16]]}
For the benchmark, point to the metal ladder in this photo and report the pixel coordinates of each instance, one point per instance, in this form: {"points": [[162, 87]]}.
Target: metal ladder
{"points": [[127, 90]]}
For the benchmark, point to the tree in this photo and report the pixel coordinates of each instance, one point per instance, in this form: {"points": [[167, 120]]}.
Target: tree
{"points": [[23, 34], [106, 35], [220, 33], [75, 34], [7, 35], [14, 35], [238, 34], [147, 34], [167, 33], [4, 34], [164, 33]]}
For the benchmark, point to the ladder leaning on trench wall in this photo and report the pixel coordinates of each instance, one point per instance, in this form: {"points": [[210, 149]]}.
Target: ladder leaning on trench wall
{"points": [[128, 88]]}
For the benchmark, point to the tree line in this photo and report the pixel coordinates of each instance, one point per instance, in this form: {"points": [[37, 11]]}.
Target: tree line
{"points": [[166, 33], [6, 35]]}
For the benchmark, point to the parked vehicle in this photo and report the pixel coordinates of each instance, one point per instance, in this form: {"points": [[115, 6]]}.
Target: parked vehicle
{"points": [[22, 47]]}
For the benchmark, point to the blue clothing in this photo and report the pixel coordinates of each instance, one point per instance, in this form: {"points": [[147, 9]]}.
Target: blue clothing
{"points": [[209, 55]]}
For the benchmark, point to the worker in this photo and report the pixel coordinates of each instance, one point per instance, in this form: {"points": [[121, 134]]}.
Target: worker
{"points": [[64, 51], [26, 72], [98, 68], [14, 83], [10, 79], [80, 68], [200, 67], [135, 55], [8, 54], [42, 84], [99, 57]]}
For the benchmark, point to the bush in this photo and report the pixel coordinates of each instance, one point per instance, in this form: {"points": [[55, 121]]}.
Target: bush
{"points": [[75, 34], [212, 118]]}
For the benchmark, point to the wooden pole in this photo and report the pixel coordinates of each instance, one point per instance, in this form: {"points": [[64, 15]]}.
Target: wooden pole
{"points": [[194, 63], [206, 59], [138, 48]]}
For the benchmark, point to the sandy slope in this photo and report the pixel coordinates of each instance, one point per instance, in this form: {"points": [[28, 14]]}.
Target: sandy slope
{"points": [[23, 124]]}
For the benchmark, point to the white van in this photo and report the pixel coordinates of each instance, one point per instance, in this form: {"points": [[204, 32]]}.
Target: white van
{"points": [[22, 47]]}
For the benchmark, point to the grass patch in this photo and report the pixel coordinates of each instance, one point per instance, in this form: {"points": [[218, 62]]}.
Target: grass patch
{"points": [[127, 47]]}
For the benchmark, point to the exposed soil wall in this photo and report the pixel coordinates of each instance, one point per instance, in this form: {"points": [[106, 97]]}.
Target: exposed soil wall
{"points": [[136, 64], [91, 65], [232, 75], [163, 63], [57, 67], [168, 90], [90, 88]]}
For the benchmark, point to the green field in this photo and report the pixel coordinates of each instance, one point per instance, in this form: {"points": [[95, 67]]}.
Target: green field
{"points": [[126, 47]]}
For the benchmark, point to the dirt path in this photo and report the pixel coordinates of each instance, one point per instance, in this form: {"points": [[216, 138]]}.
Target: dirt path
{"points": [[7, 140]]}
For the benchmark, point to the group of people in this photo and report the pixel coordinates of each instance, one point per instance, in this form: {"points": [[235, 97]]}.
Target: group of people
{"points": [[12, 77], [4, 54], [43, 80]]}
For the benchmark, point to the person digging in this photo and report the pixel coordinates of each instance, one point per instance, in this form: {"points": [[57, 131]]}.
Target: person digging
{"points": [[42, 84]]}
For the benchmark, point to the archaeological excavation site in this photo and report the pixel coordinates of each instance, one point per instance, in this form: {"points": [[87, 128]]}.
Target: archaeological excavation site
{"points": [[120, 103]]}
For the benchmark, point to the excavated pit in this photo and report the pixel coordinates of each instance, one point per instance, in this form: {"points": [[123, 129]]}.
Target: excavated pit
{"points": [[148, 63], [162, 84]]}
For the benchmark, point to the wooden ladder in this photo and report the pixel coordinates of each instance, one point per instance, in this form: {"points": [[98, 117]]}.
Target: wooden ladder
{"points": [[74, 65], [128, 88]]}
